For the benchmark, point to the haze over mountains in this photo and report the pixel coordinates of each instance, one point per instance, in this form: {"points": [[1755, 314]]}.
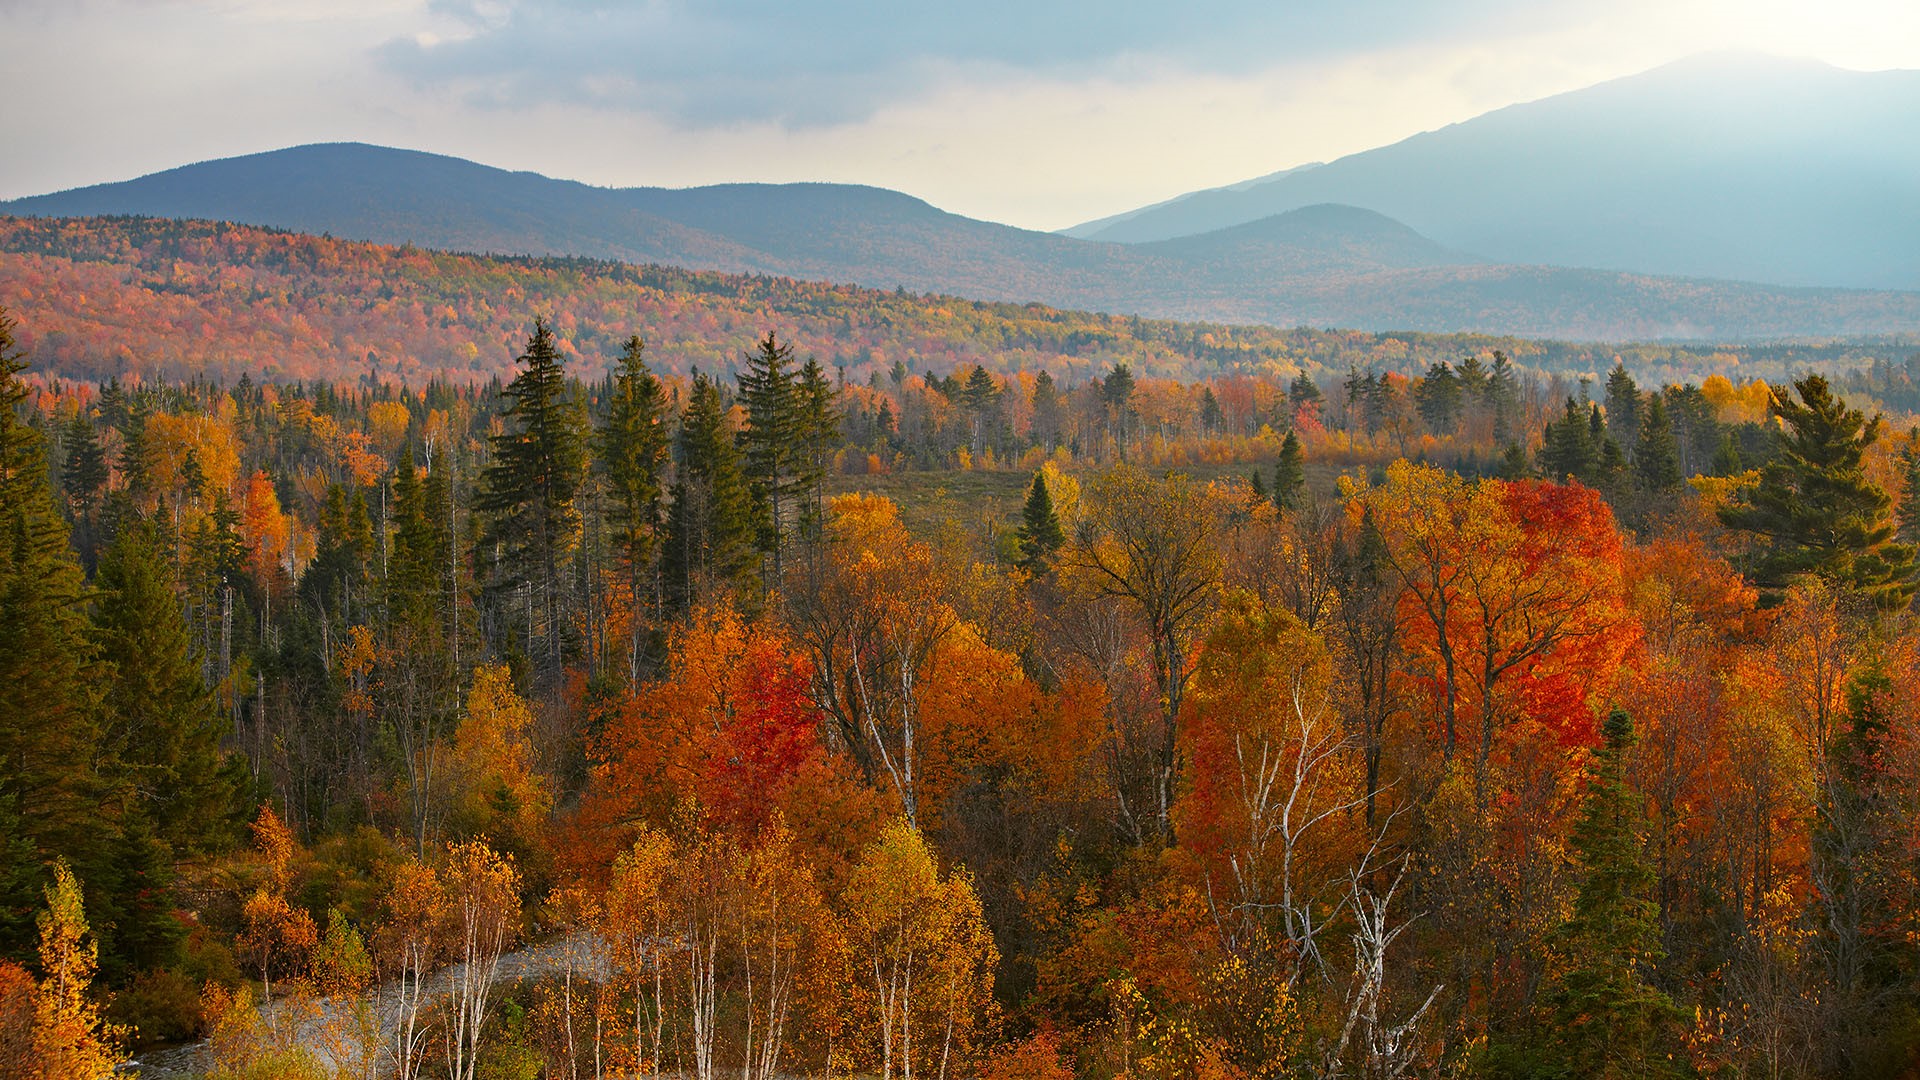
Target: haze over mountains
{"points": [[1720, 168], [1729, 166]]}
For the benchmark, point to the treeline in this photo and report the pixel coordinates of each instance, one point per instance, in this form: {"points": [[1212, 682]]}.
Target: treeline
{"points": [[1594, 753], [173, 301]]}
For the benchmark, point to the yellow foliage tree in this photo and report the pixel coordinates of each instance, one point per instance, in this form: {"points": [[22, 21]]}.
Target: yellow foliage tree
{"points": [[70, 1039]]}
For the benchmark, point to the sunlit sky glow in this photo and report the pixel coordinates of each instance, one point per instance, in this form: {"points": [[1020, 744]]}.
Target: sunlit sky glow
{"points": [[1033, 114]]}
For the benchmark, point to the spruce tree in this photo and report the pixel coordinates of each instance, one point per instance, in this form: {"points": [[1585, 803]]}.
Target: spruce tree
{"points": [[1908, 512], [1608, 1020], [1040, 531], [819, 435], [528, 494], [1656, 457], [84, 475], [632, 447], [774, 442], [1289, 474], [1568, 449], [1816, 509], [1623, 409], [710, 524], [161, 727], [50, 796], [1439, 397]]}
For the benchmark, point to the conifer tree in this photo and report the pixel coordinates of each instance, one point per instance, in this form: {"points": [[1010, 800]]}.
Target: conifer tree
{"points": [[1609, 1021], [1656, 457], [1817, 510], [1908, 512], [84, 474], [820, 432], [1568, 450], [632, 457], [162, 728], [1289, 474], [528, 492], [1040, 531], [710, 525], [774, 442], [1623, 408], [49, 795]]}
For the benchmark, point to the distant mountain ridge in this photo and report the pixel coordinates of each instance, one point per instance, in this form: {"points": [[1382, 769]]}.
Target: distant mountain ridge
{"points": [[1319, 264], [1724, 166]]}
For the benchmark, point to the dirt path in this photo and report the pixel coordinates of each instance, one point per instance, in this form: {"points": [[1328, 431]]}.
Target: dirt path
{"points": [[531, 962]]}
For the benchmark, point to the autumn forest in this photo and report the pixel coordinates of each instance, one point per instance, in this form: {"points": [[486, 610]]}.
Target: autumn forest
{"points": [[1120, 700]]}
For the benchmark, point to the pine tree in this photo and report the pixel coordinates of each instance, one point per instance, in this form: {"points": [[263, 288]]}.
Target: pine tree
{"points": [[1623, 408], [710, 524], [1656, 458], [84, 474], [1290, 474], [49, 793], [774, 442], [1116, 392], [1908, 512], [1040, 531], [1212, 419], [528, 493], [162, 728], [1817, 510], [1568, 450], [1439, 397], [632, 449], [1608, 1020], [819, 435]]}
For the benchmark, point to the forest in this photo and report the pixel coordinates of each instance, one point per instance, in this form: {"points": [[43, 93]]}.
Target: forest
{"points": [[1297, 720]]}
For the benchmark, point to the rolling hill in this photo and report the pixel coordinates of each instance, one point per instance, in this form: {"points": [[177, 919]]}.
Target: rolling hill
{"points": [[1722, 166], [1318, 264]]}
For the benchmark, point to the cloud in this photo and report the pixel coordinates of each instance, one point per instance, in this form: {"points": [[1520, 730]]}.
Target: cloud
{"points": [[834, 62]]}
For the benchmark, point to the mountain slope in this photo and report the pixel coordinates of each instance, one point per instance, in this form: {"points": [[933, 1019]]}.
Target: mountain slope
{"points": [[1727, 166], [1322, 265]]}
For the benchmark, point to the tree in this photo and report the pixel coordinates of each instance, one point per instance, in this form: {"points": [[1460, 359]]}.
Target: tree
{"points": [[1116, 393], [84, 474], [710, 530], [1148, 543], [483, 901], [1567, 449], [1040, 532], [1439, 397], [1623, 409], [161, 725], [1656, 455], [1290, 475], [50, 794], [276, 932], [1607, 1018], [70, 1039], [774, 442], [924, 952], [1815, 508], [528, 494]]}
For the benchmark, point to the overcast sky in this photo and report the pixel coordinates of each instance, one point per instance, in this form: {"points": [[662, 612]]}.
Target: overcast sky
{"points": [[1022, 111]]}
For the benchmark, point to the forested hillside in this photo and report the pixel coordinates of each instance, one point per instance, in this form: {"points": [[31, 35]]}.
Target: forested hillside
{"points": [[140, 298], [1466, 722]]}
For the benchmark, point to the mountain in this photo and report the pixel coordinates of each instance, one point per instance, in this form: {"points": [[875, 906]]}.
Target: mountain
{"points": [[1318, 264], [1089, 229], [1724, 166]]}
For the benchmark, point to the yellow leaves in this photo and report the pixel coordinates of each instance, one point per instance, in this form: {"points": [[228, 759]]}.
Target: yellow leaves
{"points": [[387, 426], [70, 1040], [501, 789]]}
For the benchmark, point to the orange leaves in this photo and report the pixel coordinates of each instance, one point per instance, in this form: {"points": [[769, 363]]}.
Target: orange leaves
{"points": [[266, 530], [729, 728]]}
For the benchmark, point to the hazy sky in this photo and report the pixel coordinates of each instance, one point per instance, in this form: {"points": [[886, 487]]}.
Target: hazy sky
{"points": [[1021, 111]]}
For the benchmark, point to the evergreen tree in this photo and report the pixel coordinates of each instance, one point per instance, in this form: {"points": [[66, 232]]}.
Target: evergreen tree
{"points": [[819, 435], [1439, 397], [161, 726], [1817, 510], [1656, 458], [1289, 474], [1046, 411], [84, 475], [1568, 450], [1502, 396], [775, 442], [1303, 394], [1727, 461], [1623, 408], [710, 526], [1514, 464], [528, 494], [50, 796], [1116, 392], [1908, 512], [1040, 531], [1212, 419], [632, 457], [1608, 1020]]}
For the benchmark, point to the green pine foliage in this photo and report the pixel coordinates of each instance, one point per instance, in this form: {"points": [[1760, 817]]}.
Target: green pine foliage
{"points": [[1656, 456], [1815, 509], [710, 526], [1040, 533], [1624, 410], [1290, 474], [528, 494], [631, 455], [1607, 1019], [1567, 451]]}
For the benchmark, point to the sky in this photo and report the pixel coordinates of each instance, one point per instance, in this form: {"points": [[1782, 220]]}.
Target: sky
{"points": [[1031, 113]]}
